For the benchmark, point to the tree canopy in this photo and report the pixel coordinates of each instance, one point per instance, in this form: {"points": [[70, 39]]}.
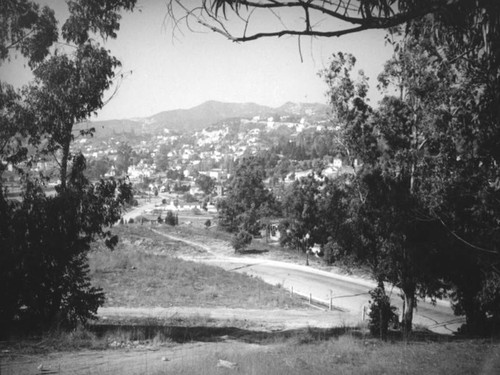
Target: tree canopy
{"points": [[247, 200], [426, 187], [425, 193], [45, 239]]}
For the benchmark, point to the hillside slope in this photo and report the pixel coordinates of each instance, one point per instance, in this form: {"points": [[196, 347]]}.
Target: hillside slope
{"points": [[199, 117]]}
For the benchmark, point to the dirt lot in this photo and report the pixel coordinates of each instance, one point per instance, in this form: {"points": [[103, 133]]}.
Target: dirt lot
{"points": [[141, 359]]}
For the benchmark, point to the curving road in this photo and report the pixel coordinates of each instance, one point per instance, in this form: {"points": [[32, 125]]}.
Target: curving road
{"points": [[347, 294]]}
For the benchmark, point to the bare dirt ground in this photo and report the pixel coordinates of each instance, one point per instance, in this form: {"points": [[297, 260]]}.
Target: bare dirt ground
{"points": [[141, 359], [249, 319]]}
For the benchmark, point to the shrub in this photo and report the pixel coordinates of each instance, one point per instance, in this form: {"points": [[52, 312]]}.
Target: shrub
{"points": [[189, 198], [45, 240], [381, 312], [170, 218], [131, 220], [241, 240]]}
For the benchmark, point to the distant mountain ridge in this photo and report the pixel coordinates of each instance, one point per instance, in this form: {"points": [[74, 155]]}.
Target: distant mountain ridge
{"points": [[200, 117]]}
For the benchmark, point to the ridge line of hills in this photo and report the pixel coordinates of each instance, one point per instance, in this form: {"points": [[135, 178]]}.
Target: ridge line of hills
{"points": [[202, 116]]}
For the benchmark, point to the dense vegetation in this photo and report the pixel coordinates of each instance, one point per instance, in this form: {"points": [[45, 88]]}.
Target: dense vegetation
{"points": [[421, 208], [45, 239]]}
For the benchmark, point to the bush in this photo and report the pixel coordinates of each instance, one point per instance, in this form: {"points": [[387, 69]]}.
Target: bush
{"points": [[131, 220], [381, 312], [189, 198], [44, 272], [208, 223], [170, 219], [241, 240]]}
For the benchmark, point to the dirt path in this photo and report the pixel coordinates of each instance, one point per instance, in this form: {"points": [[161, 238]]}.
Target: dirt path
{"points": [[152, 359], [249, 319], [215, 248], [209, 249]]}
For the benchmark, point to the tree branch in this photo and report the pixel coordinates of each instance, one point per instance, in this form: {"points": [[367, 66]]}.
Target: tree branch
{"points": [[14, 43], [364, 16], [294, 32]]}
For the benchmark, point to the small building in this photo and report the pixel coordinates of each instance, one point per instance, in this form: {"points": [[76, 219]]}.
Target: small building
{"points": [[219, 190]]}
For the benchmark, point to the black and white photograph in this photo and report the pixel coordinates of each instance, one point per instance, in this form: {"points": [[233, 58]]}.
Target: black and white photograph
{"points": [[258, 187]]}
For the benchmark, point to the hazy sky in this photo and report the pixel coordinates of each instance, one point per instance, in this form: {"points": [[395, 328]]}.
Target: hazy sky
{"points": [[195, 67]]}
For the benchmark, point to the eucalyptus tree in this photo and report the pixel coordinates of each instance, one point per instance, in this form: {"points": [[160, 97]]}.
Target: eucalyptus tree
{"points": [[394, 238], [29, 31], [301, 226], [45, 240], [205, 183], [247, 200], [123, 158], [436, 140], [437, 137], [458, 96]]}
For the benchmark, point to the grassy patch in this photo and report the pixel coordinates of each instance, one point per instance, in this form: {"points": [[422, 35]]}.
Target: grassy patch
{"points": [[56, 340], [347, 354], [258, 248], [197, 230], [141, 272]]}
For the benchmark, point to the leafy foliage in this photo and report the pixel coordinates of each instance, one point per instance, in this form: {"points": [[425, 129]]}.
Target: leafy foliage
{"points": [[422, 210], [241, 240], [27, 29], [302, 212], [162, 158], [206, 183], [381, 312], [97, 168], [123, 159], [171, 219], [384, 224], [94, 16], [247, 200], [45, 242], [425, 194]]}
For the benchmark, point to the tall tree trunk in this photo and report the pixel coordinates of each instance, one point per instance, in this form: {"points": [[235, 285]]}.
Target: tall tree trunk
{"points": [[63, 175], [410, 303], [476, 322], [475, 318]]}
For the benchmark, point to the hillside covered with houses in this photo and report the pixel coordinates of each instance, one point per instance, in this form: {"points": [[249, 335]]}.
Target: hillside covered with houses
{"points": [[293, 140]]}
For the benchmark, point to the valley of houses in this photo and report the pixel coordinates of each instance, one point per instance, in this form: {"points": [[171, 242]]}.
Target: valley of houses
{"points": [[207, 152]]}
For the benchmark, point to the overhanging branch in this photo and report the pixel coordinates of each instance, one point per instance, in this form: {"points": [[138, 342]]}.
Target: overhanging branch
{"points": [[222, 16]]}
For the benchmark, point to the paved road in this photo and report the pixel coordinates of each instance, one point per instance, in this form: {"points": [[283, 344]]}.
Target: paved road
{"points": [[348, 294]]}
